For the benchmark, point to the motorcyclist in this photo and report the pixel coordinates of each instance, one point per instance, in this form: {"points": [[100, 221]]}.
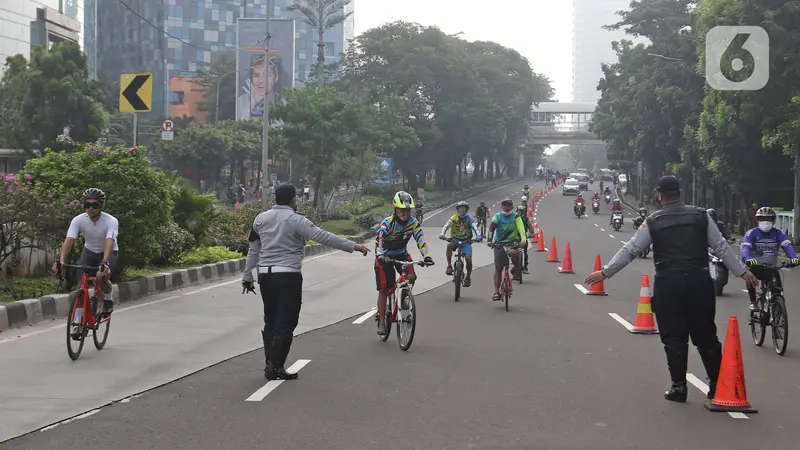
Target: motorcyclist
{"points": [[596, 197], [723, 229], [526, 190], [607, 191], [482, 213], [527, 225], [615, 208], [579, 202], [642, 215]]}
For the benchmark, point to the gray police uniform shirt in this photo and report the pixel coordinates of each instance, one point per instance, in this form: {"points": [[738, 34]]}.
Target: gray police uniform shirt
{"points": [[642, 240], [282, 235]]}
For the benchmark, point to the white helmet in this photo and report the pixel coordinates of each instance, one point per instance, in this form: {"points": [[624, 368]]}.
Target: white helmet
{"points": [[524, 198]]}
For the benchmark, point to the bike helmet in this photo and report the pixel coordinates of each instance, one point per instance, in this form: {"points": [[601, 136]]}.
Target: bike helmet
{"points": [[616, 200], [403, 200], [462, 204], [94, 193], [524, 198], [520, 208], [766, 213], [712, 213]]}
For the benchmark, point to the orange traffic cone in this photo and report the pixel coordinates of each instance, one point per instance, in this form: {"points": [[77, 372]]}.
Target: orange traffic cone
{"points": [[553, 257], [731, 394], [238, 206], [540, 244], [567, 268], [597, 288], [530, 213], [535, 237], [645, 323]]}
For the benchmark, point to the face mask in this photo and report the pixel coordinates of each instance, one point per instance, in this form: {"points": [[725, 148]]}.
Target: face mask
{"points": [[508, 213], [462, 215], [766, 227]]}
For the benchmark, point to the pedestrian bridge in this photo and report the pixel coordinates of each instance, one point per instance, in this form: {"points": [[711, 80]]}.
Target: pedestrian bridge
{"points": [[556, 123]]}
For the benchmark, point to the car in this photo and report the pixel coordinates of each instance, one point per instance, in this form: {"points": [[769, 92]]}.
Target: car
{"points": [[582, 179], [571, 186], [623, 179]]}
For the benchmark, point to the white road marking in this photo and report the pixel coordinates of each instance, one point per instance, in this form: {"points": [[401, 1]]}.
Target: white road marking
{"points": [[263, 391], [582, 289], [611, 236], [82, 416], [596, 225], [365, 317], [622, 321], [623, 242], [691, 378], [602, 229], [744, 290]]}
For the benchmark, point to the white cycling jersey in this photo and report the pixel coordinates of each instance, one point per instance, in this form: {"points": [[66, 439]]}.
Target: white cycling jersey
{"points": [[95, 233]]}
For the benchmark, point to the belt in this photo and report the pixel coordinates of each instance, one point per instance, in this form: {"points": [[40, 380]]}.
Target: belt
{"points": [[277, 269]]}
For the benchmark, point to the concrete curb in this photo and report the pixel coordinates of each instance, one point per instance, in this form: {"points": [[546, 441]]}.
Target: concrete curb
{"points": [[30, 311]]}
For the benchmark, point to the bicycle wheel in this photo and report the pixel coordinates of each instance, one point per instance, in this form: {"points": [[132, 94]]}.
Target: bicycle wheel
{"points": [[102, 325], [406, 320], [74, 327], [458, 276], [780, 324], [757, 330], [388, 317], [506, 288]]}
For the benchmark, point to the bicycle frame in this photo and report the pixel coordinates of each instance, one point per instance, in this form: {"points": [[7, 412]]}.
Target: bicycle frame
{"points": [[88, 317], [506, 269], [401, 284]]}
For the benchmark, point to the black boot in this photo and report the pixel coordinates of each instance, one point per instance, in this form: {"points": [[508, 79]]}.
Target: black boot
{"points": [[280, 351], [267, 348], [712, 360], [677, 360]]}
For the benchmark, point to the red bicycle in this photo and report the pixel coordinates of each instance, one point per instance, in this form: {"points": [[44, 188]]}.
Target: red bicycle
{"points": [[84, 315], [407, 316], [506, 286]]}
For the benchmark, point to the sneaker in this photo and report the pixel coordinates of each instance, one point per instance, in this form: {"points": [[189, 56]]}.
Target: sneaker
{"points": [[108, 306], [467, 282], [449, 271], [382, 330]]}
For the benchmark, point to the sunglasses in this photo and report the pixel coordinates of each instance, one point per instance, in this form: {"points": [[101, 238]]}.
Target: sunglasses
{"points": [[91, 205]]}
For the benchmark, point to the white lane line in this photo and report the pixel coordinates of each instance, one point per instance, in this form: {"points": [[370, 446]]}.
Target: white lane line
{"points": [[582, 289], [82, 416], [596, 225], [696, 382], [622, 321], [602, 229], [365, 317], [263, 391], [744, 290], [611, 236]]}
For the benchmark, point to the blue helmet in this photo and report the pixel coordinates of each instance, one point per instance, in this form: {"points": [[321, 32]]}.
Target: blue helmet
{"points": [[462, 203]]}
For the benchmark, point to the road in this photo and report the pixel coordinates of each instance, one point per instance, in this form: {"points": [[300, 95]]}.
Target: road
{"points": [[556, 372]]}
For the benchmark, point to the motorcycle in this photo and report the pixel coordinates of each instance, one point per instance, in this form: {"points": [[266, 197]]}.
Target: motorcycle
{"points": [[637, 222], [608, 198], [719, 273], [616, 220], [579, 209], [595, 207]]}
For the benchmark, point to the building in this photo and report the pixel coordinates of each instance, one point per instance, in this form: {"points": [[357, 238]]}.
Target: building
{"points": [[591, 44], [202, 31], [24, 24]]}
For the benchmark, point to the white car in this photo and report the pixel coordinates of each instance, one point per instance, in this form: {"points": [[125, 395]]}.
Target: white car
{"points": [[623, 179], [570, 186]]}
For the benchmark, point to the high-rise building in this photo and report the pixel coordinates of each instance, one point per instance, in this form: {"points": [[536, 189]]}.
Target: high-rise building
{"points": [[591, 44], [25, 24], [130, 41]]}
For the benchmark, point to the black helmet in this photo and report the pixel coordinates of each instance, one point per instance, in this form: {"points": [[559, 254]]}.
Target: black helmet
{"points": [[713, 214], [95, 193], [643, 211]]}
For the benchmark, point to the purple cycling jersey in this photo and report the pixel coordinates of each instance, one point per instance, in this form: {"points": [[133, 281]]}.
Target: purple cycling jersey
{"points": [[764, 247]]}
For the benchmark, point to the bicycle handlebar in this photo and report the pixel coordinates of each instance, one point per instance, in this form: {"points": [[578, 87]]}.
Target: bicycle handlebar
{"points": [[458, 241], [404, 263], [75, 266]]}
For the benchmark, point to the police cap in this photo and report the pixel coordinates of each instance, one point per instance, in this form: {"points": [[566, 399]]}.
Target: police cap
{"points": [[668, 184]]}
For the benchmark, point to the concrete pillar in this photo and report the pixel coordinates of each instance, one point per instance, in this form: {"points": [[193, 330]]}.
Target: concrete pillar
{"points": [[521, 164]]}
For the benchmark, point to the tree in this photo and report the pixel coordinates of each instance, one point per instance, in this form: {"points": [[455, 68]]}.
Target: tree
{"points": [[221, 75], [13, 88], [197, 152], [321, 15], [58, 94]]}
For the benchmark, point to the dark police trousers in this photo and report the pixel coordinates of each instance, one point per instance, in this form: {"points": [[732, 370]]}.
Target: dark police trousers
{"points": [[282, 295], [684, 306]]}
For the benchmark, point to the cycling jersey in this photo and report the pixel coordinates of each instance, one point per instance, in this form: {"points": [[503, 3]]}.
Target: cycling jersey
{"points": [[764, 247], [507, 229], [95, 233], [526, 224], [482, 212], [462, 229], [393, 237]]}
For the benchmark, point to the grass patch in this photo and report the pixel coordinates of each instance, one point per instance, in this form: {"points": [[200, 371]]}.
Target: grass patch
{"points": [[28, 288], [344, 227]]}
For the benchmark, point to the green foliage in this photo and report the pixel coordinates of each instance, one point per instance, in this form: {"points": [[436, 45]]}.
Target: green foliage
{"points": [[368, 221], [339, 214], [192, 211], [230, 230], [363, 204], [138, 195], [207, 255], [174, 241], [223, 71]]}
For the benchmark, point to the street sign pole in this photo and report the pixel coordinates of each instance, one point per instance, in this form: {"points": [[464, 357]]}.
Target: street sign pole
{"points": [[265, 147], [135, 128]]}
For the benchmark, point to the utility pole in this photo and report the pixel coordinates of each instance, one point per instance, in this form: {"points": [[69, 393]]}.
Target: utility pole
{"points": [[265, 148]]}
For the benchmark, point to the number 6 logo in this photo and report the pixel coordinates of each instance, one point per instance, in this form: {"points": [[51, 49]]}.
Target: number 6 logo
{"points": [[720, 40]]}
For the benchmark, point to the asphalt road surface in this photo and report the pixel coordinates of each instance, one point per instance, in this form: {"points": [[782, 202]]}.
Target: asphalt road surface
{"points": [[556, 372]]}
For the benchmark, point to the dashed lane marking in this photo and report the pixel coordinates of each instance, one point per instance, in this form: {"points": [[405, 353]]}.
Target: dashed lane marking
{"points": [[602, 229], [583, 290], [622, 321], [691, 378], [611, 236], [365, 317], [271, 385], [595, 224], [623, 242]]}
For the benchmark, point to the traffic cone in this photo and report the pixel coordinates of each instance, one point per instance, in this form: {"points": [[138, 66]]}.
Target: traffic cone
{"points": [[535, 237], [567, 268], [731, 394], [645, 323], [553, 257], [597, 288], [540, 244], [530, 213]]}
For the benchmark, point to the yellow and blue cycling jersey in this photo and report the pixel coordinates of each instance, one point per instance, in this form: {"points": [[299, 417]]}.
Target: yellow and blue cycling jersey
{"points": [[462, 229], [507, 229], [393, 237]]}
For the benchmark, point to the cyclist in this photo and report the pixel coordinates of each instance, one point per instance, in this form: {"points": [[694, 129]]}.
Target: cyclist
{"points": [[509, 229], [100, 231], [760, 248], [463, 228], [394, 233], [482, 213], [528, 230], [524, 203], [615, 208]]}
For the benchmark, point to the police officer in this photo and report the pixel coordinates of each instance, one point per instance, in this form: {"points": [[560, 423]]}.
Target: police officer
{"points": [[277, 243], [683, 292]]}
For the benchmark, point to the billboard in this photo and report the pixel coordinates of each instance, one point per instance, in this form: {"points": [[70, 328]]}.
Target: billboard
{"points": [[254, 75], [386, 174]]}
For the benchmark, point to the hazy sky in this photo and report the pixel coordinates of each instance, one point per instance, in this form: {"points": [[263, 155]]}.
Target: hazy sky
{"points": [[541, 30]]}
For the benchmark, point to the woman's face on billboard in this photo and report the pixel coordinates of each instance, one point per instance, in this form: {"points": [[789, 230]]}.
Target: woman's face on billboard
{"points": [[259, 80]]}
